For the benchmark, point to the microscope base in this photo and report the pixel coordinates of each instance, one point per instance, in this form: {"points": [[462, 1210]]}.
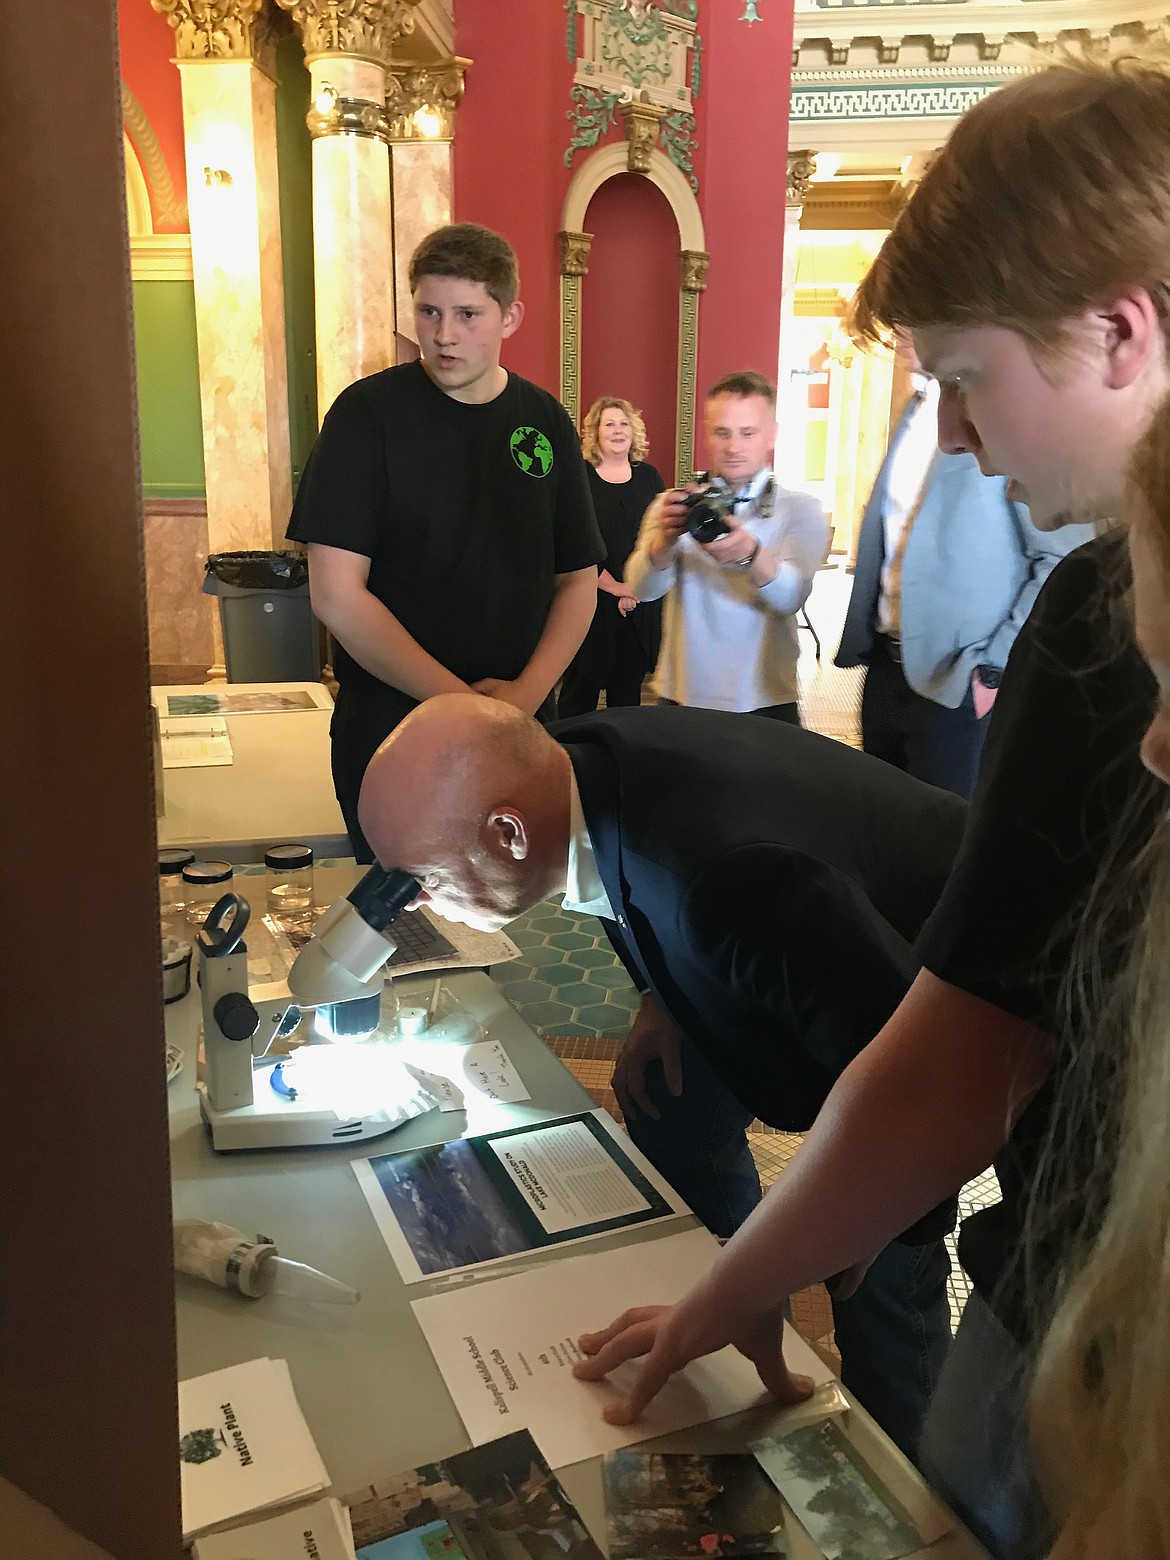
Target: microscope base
{"points": [[294, 1123]]}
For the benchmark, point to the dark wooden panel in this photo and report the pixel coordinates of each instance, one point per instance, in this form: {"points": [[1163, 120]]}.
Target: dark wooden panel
{"points": [[87, 1349]]}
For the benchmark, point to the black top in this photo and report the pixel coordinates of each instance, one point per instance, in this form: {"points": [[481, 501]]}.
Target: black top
{"points": [[1062, 798], [619, 507], [466, 512]]}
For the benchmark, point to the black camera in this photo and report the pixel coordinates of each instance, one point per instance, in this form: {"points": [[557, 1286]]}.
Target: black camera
{"points": [[708, 508]]}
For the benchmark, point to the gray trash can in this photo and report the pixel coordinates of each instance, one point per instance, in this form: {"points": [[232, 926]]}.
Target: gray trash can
{"points": [[269, 631]]}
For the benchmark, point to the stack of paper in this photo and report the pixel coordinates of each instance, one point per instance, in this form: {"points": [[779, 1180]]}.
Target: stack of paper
{"points": [[244, 1446], [317, 1532]]}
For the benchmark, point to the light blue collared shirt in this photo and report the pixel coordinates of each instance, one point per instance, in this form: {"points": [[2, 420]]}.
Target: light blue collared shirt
{"points": [[584, 890]]}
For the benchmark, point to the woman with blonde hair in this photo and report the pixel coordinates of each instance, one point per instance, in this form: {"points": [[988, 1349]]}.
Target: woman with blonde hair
{"points": [[1101, 1399], [621, 646]]}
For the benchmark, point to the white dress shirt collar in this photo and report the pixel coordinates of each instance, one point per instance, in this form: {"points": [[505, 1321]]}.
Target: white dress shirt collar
{"points": [[750, 491], [584, 890]]}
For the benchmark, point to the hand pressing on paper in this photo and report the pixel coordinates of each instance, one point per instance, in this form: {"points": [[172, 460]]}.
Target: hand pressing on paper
{"points": [[670, 1337]]}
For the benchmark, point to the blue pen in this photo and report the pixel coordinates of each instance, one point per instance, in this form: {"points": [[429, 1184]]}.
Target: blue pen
{"points": [[276, 1079]]}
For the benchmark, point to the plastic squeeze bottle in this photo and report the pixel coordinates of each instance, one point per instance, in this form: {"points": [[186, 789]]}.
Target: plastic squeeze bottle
{"points": [[225, 1256]]}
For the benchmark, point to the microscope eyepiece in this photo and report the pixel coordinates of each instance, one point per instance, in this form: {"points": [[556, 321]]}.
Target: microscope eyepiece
{"points": [[382, 895]]}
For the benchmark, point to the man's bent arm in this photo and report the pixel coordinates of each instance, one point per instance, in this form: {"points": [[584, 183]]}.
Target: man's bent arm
{"points": [[647, 575], [920, 1111], [573, 605], [368, 630]]}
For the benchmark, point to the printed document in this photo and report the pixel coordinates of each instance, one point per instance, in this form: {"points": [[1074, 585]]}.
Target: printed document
{"points": [[506, 1346], [500, 1194], [317, 1532], [244, 1445], [198, 742]]}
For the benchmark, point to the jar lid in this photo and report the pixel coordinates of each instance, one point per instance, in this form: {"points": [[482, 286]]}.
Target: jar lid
{"points": [[289, 857], [172, 860], [207, 872]]}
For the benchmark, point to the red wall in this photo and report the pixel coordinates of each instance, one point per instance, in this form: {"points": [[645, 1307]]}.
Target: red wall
{"points": [[509, 156], [629, 311], [147, 48], [743, 159]]}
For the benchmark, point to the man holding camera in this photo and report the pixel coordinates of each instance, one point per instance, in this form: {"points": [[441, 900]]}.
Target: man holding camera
{"points": [[735, 564]]}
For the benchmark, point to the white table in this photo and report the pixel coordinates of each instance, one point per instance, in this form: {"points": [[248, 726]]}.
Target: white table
{"points": [[278, 788], [370, 1389]]}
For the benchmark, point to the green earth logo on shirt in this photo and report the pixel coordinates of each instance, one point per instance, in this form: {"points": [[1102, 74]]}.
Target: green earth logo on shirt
{"points": [[531, 451]]}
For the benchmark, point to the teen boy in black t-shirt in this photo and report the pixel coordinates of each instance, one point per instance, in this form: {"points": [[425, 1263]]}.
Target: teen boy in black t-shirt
{"points": [[452, 541]]}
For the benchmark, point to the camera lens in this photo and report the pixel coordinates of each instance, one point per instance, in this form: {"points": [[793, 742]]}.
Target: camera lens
{"points": [[705, 521]]}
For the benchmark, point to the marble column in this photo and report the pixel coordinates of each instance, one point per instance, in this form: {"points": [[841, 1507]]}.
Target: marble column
{"points": [[845, 385], [421, 103], [876, 367], [792, 393], [229, 127], [347, 50]]}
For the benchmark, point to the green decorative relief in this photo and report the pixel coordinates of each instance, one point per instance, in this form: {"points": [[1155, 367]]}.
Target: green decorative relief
{"points": [[687, 9], [696, 66], [591, 115], [636, 47], [751, 12], [680, 145], [571, 31]]}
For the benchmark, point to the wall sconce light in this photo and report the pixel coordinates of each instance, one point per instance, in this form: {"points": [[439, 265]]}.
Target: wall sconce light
{"points": [[216, 178], [325, 100]]}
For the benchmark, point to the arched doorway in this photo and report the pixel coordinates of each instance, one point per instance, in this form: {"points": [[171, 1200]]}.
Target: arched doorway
{"points": [[629, 307], [608, 163]]}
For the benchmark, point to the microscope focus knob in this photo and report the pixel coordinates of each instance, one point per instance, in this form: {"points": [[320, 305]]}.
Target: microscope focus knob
{"points": [[236, 1017]]}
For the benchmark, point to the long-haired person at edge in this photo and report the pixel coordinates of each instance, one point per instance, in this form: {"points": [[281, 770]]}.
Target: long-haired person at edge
{"points": [[1101, 1401], [1029, 269]]}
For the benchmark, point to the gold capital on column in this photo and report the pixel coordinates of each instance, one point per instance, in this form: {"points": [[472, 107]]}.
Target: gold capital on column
{"points": [[801, 168], [694, 263], [215, 29], [421, 100], [368, 29], [575, 253]]}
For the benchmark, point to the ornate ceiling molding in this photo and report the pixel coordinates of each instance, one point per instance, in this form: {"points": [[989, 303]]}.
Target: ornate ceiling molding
{"points": [[879, 33]]}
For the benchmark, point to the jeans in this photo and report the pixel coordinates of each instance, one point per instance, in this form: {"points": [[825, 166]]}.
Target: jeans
{"points": [[975, 1441], [927, 740], [893, 1334]]}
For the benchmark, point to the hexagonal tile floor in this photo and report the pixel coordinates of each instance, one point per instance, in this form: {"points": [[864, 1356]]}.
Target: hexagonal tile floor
{"points": [[567, 980]]}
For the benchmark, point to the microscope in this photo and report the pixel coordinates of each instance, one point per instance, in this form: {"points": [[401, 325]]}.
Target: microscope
{"points": [[356, 1092]]}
